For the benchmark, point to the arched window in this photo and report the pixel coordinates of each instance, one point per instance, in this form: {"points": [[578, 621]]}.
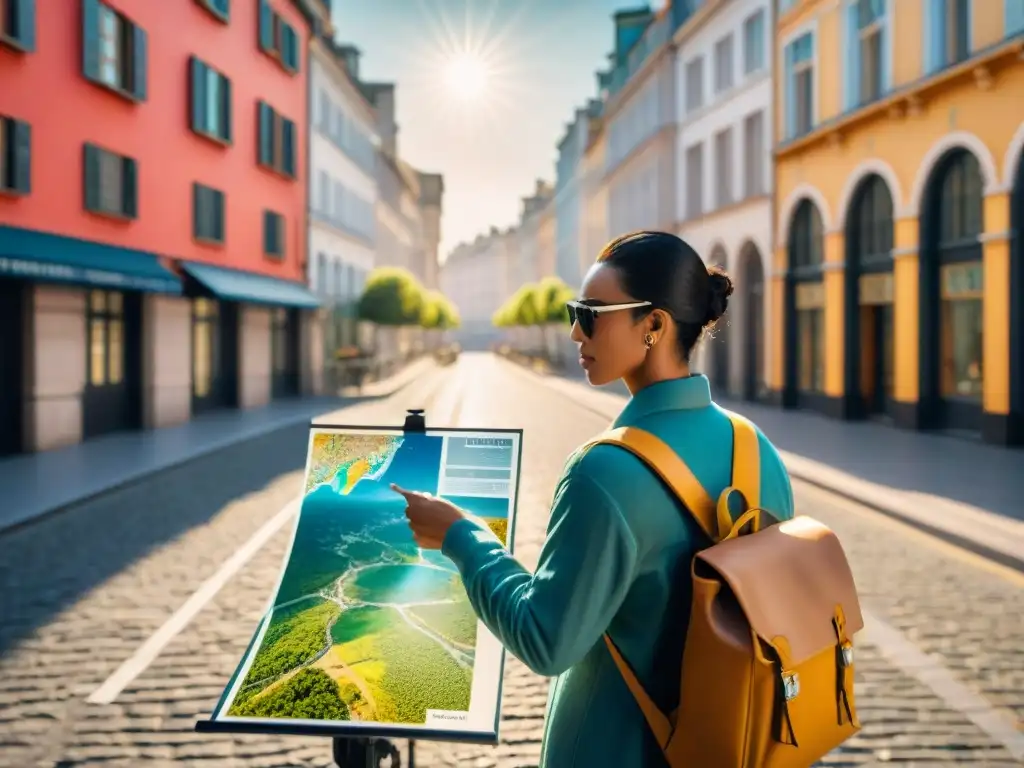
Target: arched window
{"points": [[872, 229], [961, 278], [806, 254]]}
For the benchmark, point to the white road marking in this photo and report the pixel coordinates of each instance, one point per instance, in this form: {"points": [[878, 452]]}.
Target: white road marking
{"points": [[135, 665], [906, 656]]}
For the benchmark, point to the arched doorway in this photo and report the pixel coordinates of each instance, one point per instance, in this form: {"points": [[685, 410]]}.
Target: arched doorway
{"points": [[1015, 428], [719, 340], [805, 310], [751, 275], [951, 296], [869, 349]]}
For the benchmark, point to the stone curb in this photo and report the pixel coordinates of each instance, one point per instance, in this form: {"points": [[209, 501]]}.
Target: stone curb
{"points": [[992, 536]]}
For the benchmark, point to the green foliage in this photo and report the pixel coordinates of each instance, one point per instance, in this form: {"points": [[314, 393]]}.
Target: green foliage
{"points": [[448, 315], [430, 309], [355, 623], [392, 297], [294, 637], [420, 674], [310, 695], [535, 304]]}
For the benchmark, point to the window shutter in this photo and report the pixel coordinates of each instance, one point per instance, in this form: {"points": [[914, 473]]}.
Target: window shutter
{"points": [[291, 48], [288, 147], [790, 87], [223, 7], [90, 39], [197, 205], [139, 62], [129, 188], [851, 80], [1014, 17], [21, 138], [266, 27], [25, 33], [266, 232], [279, 234], [225, 96], [884, 42], [265, 138], [219, 217], [197, 77], [91, 177]]}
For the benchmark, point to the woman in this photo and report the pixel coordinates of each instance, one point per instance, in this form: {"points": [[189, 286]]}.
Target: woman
{"points": [[619, 545]]}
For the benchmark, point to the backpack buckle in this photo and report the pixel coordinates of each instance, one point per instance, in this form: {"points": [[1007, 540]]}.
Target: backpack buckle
{"points": [[846, 656], [790, 685]]}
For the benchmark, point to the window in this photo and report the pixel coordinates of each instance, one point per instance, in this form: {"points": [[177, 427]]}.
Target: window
{"points": [[221, 9], [946, 33], [753, 155], [105, 316], [723, 168], [18, 24], [324, 198], [723, 64], [205, 347], [753, 43], [694, 181], [800, 86], [961, 196], [208, 219], [806, 253], [278, 38], [15, 156], [114, 54], [866, 32], [111, 183], [695, 84], [1014, 21], [273, 234], [211, 102], [962, 329], [276, 142]]}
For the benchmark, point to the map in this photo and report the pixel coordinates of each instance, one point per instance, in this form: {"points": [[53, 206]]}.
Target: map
{"points": [[366, 626]]}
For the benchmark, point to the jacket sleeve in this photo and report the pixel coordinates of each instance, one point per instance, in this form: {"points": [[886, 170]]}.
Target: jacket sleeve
{"points": [[551, 618]]}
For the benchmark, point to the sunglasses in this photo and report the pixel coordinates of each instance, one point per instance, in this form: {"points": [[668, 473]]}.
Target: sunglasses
{"points": [[586, 315]]}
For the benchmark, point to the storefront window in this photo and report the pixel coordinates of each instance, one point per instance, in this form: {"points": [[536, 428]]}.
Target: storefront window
{"points": [[106, 338], [962, 330], [279, 340], [810, 336], [204, 346]]}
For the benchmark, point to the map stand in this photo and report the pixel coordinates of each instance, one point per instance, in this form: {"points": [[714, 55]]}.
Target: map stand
{"points": [[369, 752]]}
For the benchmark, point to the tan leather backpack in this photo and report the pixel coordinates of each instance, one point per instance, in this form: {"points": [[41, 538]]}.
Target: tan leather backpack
{"points": [[767, 678]]}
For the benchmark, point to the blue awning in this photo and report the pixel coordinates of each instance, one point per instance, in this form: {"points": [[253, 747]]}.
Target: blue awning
{"points": [[234, 285], [33, 255]]}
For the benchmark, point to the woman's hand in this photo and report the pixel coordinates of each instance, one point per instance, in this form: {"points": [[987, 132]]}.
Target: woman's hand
{"points": [[429, 517]]}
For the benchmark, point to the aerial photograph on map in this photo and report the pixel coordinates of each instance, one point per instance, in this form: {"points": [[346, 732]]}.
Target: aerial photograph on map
{"points": [[365, 626]]}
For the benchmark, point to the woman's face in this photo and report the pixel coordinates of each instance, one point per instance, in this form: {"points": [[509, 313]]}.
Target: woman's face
{"points": [[615, 348]]}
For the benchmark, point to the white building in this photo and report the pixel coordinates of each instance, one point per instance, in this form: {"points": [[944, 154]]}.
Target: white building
{"points": [[640, 117], [343, 186], [474, 278], [724, 96], [529, 258]]}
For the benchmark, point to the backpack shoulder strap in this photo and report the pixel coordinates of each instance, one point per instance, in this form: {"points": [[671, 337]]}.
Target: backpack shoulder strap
{"points": [[746, 460], [667, 465]]}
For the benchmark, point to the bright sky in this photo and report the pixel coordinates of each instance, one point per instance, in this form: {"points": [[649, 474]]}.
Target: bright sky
{"points": [[484, 90]]}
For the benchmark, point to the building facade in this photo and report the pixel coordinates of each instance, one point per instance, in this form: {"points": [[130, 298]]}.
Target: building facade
{"points": [[567, 201], [473, 278], [528, 247], [723, 149], [897, 281], [343, 187], [595, 195], [431, 205], [640, 165], [547, 238], [153, 247]]}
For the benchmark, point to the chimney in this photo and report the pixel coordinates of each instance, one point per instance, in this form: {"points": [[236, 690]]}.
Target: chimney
{"points": [[382, 96]]}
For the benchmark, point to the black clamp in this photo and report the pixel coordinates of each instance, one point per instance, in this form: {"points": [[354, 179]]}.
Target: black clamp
{"points": [[415, 421]]}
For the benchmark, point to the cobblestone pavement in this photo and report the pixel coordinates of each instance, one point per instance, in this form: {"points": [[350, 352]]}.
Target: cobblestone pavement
{"points": [[139, 553]]}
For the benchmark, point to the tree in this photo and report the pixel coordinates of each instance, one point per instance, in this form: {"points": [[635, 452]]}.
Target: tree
{"points": [[447, 315], [392, 297], [431, 309]]}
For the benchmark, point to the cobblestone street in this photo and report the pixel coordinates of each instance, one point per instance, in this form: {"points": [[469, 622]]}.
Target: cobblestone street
{"points": [[140, 552]]}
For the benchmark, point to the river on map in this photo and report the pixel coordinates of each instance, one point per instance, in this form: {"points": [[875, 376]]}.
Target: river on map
{"points": [[400, 584]]}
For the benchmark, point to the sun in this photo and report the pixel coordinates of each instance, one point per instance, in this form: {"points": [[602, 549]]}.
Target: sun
{"points": [[465, 76]]}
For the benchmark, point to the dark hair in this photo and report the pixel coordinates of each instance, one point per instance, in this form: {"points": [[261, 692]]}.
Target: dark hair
{"points": [[663, 269]]}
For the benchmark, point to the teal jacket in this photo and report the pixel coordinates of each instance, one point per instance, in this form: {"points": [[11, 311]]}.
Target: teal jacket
{"points": [[616, 558]]}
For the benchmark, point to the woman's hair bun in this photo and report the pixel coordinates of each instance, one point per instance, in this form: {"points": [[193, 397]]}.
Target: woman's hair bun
{"points": [[719, 291]]}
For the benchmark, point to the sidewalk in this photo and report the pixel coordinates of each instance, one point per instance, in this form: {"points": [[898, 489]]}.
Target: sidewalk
{"points": [[957, 489], [33, 485]]}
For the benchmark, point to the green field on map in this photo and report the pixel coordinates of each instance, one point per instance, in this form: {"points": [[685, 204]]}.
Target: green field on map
{"points": [[365, 626]]}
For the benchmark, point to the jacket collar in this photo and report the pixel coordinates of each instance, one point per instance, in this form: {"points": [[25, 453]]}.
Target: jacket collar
{"points": [[690, 392]]}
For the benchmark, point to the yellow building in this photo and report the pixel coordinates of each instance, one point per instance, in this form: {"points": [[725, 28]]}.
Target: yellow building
{"points": [[898, 187]]}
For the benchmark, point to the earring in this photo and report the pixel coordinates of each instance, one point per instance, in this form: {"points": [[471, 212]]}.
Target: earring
{"points": [[648, 340]]}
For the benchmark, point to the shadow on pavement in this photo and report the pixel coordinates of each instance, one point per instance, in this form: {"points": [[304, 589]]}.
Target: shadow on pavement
{"points": [[47, 565]]}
